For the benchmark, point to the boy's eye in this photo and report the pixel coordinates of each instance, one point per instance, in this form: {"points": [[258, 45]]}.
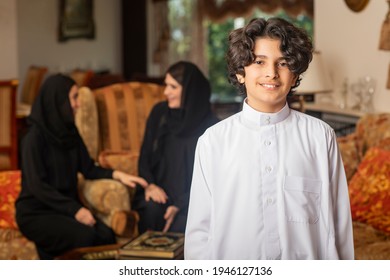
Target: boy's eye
{"points": [[259, 62], [283, 64]]}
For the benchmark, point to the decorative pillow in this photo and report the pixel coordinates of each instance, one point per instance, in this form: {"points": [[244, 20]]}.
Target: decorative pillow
{"points": [[9, 191], [369, 190], [384, 144], [371, 129]]}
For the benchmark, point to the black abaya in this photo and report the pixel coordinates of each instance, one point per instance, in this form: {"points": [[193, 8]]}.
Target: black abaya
{"points": [[168, 149]]}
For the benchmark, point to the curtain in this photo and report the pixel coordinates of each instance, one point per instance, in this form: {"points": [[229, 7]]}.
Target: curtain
{"points": [[217, 11]]}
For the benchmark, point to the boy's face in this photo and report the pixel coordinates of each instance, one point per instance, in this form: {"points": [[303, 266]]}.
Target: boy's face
{"points": [[268, 79]]}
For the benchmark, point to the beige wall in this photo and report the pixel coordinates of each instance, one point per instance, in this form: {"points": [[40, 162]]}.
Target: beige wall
{"points": [[349, 43], [38, 43], [8, 41]]}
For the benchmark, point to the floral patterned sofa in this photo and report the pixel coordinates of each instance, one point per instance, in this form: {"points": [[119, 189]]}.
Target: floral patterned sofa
{"points": [[366, 157], [13, 245]]}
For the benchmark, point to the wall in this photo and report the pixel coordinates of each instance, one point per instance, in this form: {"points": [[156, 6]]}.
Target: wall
{"points": [[349, 43], [8, 43], [38, 44]]}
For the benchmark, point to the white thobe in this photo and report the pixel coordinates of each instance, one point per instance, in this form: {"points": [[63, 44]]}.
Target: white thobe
{"points": [[269, 186]]}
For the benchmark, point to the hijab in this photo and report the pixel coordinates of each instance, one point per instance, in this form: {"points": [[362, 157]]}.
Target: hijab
{"points": [[195, 99], [53, 114]]}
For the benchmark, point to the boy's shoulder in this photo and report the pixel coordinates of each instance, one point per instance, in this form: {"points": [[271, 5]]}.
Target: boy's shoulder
{"points": [[313, 121]]}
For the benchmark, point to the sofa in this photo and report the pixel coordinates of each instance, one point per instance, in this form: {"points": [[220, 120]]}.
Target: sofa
{"points": [[366, 157], [13, 245]]}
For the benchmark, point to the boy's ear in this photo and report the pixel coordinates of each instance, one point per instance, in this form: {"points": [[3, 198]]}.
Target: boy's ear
{"points": [[240, 78], [295, 79]]}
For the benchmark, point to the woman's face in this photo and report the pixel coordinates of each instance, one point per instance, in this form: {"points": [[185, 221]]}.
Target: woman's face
{"points": [[173, 91], [74, 98]]}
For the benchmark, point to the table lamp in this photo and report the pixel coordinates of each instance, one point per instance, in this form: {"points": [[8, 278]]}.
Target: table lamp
{"points": [[316, 79]]}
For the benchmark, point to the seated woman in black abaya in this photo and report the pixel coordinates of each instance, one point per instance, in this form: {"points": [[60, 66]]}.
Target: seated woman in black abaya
{"points": [[167, 153], [48, 210]]}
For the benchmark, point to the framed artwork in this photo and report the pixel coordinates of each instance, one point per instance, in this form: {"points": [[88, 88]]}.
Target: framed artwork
{"points": [[356, 5], [76, 20]]}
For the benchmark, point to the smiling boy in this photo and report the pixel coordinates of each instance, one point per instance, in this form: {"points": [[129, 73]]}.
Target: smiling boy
{"points": [[268, 182]]}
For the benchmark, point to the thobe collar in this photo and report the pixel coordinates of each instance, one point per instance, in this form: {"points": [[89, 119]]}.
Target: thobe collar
{"points": [[262, 119]]}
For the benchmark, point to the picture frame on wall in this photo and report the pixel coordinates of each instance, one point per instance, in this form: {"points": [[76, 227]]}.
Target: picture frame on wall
{"points": [[76, 20]]}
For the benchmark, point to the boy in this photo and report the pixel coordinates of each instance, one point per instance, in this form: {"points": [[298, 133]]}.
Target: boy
{"points": [[268, 182]]}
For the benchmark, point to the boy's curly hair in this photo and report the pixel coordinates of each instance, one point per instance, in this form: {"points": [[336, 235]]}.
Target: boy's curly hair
{"points": [[295, 45]]}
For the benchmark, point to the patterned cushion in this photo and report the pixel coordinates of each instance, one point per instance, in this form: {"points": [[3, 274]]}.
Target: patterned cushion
{"points": [[384, 144], [371, 129], [369, 190], [9, 191]]}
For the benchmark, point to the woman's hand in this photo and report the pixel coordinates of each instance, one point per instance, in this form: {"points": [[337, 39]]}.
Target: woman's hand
{"points": [[169, 216], [85, 217], [129, 180], [155, 193]]}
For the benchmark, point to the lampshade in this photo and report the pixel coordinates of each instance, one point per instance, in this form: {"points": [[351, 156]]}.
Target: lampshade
{"points": [[316, 79]]}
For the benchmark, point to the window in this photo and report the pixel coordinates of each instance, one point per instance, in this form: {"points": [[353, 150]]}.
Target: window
{"points": [[181, 18]]}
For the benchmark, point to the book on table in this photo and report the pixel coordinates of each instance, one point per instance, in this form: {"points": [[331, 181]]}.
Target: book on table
{"points": [[154, 244]]}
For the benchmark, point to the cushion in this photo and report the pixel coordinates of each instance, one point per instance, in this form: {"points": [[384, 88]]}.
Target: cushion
{"points": [[9, 191], [371, 129], [369, 190]]}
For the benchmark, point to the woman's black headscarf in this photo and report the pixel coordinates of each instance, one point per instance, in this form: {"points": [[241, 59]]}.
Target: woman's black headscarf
{"points": [[195, 99], [53, 114]]}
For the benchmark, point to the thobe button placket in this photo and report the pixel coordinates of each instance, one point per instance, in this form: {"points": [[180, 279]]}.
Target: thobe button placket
{"points": [[269, 159]]}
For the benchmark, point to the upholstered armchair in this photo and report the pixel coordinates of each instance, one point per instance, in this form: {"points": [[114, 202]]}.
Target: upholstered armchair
{"points": [[32, 83], [111, 120], [8, 126]]}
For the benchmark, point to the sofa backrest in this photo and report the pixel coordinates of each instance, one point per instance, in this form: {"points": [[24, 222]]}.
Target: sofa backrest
{"points": [[372, 129], [122, 111]]}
